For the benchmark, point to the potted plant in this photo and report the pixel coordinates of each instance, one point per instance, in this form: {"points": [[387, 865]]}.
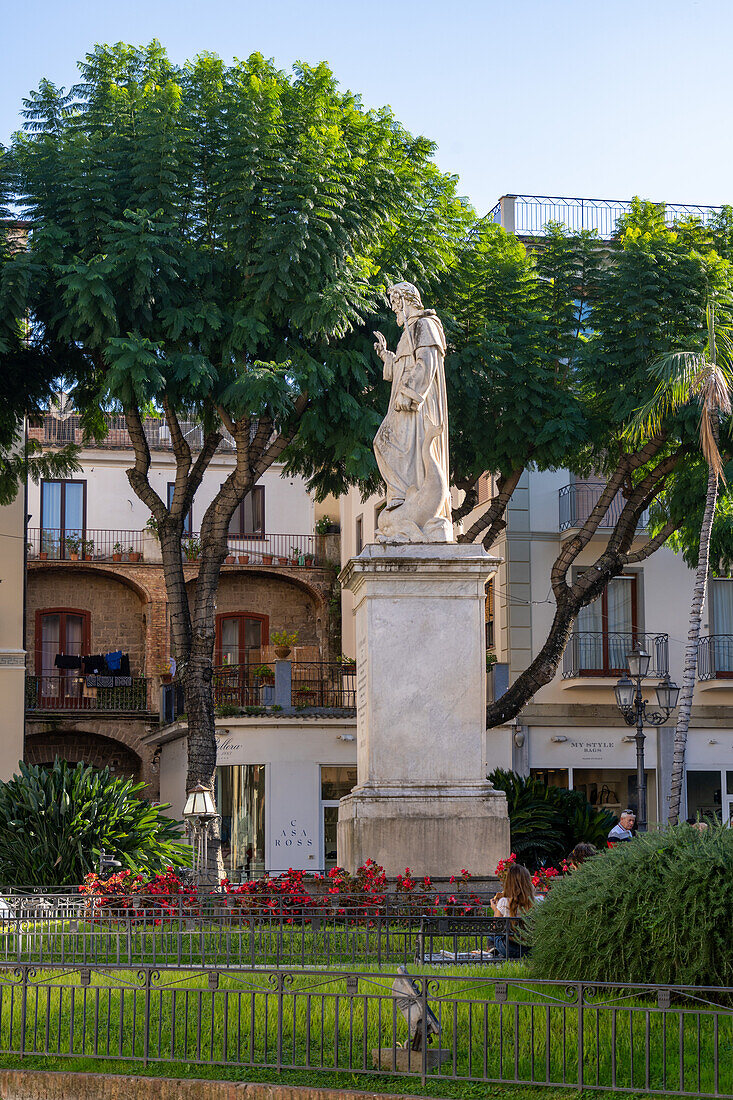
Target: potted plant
{"points": [[46, 545], [152, 526], [87, 549], [295, 556], [117, 552], [29, 549], [243, 559], [230, 559], [304, 695], [164, 671], [267, 559], [264, 673], [191, 548], [282, 561], [283, 642], [73, 544], [133, 554]]}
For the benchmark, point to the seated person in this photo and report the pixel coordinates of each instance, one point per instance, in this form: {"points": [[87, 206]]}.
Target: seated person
{"points": [[579, 854], [516, 898], [623, 831]]}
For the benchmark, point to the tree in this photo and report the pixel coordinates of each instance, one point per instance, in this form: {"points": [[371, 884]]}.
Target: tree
{"points": [[547, 390], [213, 242], [683, 378]]}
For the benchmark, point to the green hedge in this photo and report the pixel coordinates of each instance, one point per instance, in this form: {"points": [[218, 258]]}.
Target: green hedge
{"points": [[657, 909]]}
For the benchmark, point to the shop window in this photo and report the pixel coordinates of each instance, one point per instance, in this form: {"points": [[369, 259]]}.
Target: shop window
{"points": [[359, 535], [614, 789], [63, 516], [606, 630], [336, 782], [249, 518], [240, 797], [551, 777], [188, 519], [703, 794]]}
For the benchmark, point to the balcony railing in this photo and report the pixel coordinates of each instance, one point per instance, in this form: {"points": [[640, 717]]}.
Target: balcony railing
{"points": [[715, 657], [601, 653], [578, 500], [313, 684], [52, 544], [60, 431], [528, 215], [67, 692], [295, 551]]}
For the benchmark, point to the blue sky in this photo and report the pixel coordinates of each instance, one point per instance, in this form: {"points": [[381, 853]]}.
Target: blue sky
{"points": [[602, 98]]}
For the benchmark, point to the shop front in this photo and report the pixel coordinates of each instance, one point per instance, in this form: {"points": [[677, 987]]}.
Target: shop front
{"points": [[708, 787], [600, 763]]}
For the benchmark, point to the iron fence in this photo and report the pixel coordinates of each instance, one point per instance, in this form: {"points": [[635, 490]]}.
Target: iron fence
{"points": [[60, 431], [663, 1040], [603, 653], [67, 691], [295, 551], [313, 684], [529, 215], [53, 544], [715, 657], [578, 500]]}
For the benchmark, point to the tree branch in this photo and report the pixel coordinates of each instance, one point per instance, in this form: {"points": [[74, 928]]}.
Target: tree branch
{"points": [[491, 523]]}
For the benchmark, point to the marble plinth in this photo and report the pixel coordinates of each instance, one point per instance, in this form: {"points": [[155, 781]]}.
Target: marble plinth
{"points": [[422, 799]]}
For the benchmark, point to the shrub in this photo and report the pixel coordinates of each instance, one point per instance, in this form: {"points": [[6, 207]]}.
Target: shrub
{"points": [[53, 823], [547, 822], [658, 909]]}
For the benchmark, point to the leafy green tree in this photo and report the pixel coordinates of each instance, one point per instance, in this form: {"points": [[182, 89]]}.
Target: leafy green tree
{"points": [[54, 822], [214, 242]]}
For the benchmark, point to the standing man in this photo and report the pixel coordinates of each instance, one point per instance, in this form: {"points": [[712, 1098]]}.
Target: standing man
{"points": [[623, 831]]}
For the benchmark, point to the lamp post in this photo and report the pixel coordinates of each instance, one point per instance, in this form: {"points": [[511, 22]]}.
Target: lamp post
{"points": [[199, 812], [636, 712]]}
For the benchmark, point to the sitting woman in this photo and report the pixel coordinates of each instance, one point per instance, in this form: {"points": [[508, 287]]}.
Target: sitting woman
{"points": [[516, 899]]}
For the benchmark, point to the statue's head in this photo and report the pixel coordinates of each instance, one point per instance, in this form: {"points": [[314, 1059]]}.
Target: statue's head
{"points": [[402, 295]]}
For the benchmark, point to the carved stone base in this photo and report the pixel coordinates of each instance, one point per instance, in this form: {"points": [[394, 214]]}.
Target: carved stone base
{"points": [[433, 830], [408, 1061]]}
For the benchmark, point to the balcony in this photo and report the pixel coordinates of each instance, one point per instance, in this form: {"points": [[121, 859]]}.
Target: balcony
{"points": [[58, 431], [528, 215], [715, 657], [294, 551], [599, 654], [578, 500], [62, 692]]}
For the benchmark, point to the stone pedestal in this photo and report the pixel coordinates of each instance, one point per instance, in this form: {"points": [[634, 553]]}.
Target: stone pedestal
{"points": [[422, 799]]}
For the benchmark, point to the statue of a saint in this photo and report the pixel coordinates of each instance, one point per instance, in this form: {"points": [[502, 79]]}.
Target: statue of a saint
{"points": [[411, 445]]}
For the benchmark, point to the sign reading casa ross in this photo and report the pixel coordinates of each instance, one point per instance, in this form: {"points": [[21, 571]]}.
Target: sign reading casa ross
{"points": [[294, 836]]}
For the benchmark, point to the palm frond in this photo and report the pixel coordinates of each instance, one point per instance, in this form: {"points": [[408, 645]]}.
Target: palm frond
{"points": [[677, 373]]}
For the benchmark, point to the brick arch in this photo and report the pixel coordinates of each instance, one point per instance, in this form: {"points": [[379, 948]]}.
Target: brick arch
{"points": [[78, 745]]}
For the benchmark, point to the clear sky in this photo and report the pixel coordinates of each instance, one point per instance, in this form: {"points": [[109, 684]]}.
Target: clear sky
{"points": [[592, 98]]}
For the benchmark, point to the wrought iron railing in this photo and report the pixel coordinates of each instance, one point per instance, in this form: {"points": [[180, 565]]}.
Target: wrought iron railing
{"points": [[85, 544], [489, 1030], [528, 215], [294, 551], [578, 500], [715, 657], [65, 691], [313, 684], [60, 431], [604, 653]]}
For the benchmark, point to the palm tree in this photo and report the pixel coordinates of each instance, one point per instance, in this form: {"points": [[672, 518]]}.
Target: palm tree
{"points": [[684, 377]]}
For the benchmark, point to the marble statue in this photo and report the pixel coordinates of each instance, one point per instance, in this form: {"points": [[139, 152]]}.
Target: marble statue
{"points": [[411, 445]]}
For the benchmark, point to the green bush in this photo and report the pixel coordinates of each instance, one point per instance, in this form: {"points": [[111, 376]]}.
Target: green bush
{"points": [[53, 823], [547, 822], [658, 909]]}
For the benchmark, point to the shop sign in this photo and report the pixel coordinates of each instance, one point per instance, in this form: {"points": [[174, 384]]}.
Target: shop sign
{"points": [[591, 750], [226, 748], [294, 836]]}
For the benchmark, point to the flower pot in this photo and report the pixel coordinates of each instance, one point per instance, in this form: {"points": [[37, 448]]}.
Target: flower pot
{"points": [[43, 555], [73, 556], [88, 557], [308, 563], [282, 651], [294, 561], [282, 561], [117, 557], [267, 559], [135, 555], [229, 559], [243, 559]]}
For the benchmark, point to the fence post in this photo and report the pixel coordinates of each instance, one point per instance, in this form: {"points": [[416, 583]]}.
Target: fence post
{"points": [[580, 1037], [23, 1009], [283, 683], [280, 985], [424, 1023], [146, 1030]]}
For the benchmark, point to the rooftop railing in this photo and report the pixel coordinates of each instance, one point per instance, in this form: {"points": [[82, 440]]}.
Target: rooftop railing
{"points": [[57, 431], [528, 215]]}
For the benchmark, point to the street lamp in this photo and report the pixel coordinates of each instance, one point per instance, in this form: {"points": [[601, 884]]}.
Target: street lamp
{"points": [[199, 812], [636, 712]]}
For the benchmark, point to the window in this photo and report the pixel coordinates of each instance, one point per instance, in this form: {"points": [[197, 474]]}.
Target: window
{"points": [[606, 630], [63, 516], [238, 635], [483, 489], [490, 642], [60, 630], [721, 628], [335, 783], [249, 518], [359, 540], [188, 519]]}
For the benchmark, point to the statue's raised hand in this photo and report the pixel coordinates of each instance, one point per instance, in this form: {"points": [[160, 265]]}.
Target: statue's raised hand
{"points": [[380, 346]]}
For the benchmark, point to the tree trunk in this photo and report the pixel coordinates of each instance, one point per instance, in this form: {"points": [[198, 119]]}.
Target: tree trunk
{"points": [[693, 636]]}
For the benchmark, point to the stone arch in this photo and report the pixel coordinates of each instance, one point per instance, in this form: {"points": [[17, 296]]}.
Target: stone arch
{"points": [[80, 745]]}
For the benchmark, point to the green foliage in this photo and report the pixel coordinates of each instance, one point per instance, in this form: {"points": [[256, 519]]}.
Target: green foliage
{"points": [[547, 822], [658, 909], [54, 822]]}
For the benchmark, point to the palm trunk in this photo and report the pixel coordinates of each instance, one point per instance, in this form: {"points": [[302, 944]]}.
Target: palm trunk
{"points": [[693, 636]]}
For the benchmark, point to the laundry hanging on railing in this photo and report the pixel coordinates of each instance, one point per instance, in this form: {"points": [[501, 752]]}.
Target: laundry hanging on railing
{"points": [[67, 661]]}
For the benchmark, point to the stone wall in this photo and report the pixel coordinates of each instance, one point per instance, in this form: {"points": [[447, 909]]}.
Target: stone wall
{"points": [[97, 740]]}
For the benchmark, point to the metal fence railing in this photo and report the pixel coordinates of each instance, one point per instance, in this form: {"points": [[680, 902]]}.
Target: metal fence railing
{"points": [[60, 431], [604, 653], [52, 544], [528, 215], [64, 691], [663, 1040], [715, 657], [577, 501], [295, 551], [313, 684]]}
